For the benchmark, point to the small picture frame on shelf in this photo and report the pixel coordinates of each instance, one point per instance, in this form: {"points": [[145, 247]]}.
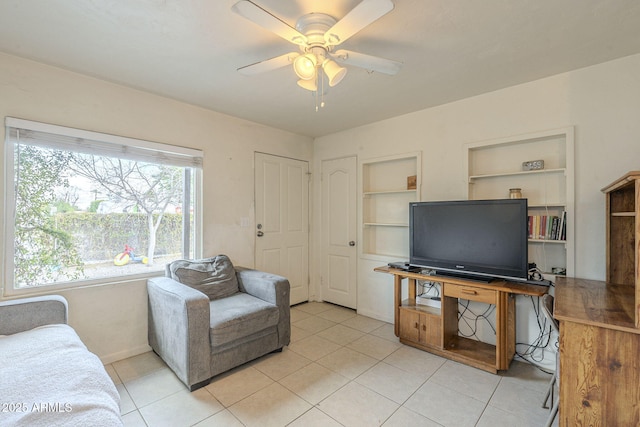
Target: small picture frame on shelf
{"points": [[412, 182], [533, 165]]}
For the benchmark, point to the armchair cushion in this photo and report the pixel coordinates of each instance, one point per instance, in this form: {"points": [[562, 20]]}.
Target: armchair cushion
{"points": [[215, 277], [239, 316]]}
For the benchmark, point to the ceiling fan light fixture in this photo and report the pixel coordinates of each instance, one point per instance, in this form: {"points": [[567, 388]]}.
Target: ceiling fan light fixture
{"points": [[305, 66], [334, 72], [318, 35], [310, 85]]}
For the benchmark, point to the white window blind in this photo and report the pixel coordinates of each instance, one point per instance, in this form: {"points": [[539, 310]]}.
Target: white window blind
{"points": [[90, 208], [59, 137]]}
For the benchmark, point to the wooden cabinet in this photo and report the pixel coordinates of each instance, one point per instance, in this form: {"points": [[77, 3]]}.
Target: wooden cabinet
{"points": [[495, 166], [599, 351], [600, 323], [421, 325], [385, 204], [436, 329], [623, 235]]}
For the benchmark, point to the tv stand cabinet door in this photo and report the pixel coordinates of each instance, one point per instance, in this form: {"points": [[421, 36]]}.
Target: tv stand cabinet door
{"points": [[421, 328], [433, 328], [410, 325]]}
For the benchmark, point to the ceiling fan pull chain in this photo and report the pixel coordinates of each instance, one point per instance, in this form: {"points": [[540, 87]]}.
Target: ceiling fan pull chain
{"points": [[322, 84], [316, 93]]}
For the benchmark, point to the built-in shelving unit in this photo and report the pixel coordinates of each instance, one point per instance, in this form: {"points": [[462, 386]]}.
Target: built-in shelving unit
{"points": [[385, 204], [495, 166]]}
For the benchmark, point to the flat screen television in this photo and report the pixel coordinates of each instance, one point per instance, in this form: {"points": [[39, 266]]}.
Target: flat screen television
{"points": [[481, 239]]}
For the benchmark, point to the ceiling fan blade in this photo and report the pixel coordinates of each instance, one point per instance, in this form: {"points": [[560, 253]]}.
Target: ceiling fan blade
{"points": [[368, 62], [269, 64], [258, 15], [359, 17]]}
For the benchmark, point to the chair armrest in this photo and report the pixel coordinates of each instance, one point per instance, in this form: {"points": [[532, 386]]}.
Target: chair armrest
{"points": [[270, 288], [179, 328], [27, 313]]}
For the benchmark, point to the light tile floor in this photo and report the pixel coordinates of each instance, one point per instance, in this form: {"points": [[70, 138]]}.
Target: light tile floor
{"points": [[341, 369]]}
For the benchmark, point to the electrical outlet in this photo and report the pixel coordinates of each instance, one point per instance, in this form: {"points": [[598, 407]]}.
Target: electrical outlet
{"points": [[532, 165]]}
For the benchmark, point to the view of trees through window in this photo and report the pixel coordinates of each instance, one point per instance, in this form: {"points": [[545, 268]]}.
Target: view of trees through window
{"points": [[86, 216]]}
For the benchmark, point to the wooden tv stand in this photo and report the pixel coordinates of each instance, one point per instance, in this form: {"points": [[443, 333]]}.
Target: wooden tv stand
{"points": [[436, 329]]}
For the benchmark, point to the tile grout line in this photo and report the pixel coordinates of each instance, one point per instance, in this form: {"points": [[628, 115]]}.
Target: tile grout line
{"points": [[369, 334]]}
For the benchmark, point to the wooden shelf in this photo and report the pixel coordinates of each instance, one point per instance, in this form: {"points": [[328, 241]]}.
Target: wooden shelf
{"points": [[472, 351], [411, 305], [622, 214]]}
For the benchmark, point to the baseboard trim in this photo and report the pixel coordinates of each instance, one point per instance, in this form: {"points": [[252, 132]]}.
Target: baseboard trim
{"points": [[374, 315], [114, 357]]}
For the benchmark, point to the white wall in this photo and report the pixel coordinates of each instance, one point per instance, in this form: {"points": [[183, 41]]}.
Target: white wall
{"points": [[602, 102], [112, 319]]}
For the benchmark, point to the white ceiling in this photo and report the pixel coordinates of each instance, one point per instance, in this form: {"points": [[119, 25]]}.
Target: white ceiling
{"points": [[190, 49]]}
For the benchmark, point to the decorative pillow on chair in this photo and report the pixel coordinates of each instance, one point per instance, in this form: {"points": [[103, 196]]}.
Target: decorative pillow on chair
{"points": [[214, 277]]}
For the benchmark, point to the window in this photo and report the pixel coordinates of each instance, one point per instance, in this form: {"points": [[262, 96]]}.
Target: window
{"points": [[85, 207]]}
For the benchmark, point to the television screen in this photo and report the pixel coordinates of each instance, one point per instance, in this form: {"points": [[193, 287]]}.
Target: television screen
{"points": [[474, 238]]}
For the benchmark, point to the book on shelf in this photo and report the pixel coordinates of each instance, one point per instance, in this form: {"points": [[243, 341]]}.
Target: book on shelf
{"points": [[548, 227]]}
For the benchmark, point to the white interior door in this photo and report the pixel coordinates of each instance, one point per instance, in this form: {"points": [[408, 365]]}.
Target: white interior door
{"points": [[339, 232], [282, 220]]}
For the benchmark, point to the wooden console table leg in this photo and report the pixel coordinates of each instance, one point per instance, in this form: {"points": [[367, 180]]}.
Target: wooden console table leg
{"points": [[412, 290], [505, 330], [500, 329], [397, 301], [511, 329]]}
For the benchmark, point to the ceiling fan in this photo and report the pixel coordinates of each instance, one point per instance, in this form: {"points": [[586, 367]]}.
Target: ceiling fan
{"points": [[317, 36]]}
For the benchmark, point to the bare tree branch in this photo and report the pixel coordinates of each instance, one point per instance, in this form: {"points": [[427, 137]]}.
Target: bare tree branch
{"points": [[149, 187]]}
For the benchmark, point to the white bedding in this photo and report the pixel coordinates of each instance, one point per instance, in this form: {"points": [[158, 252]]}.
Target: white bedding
{"points": [[49, 378]]}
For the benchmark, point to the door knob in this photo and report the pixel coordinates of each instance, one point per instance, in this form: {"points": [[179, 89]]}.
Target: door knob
{"points": [[352, 243], [260, 234]]}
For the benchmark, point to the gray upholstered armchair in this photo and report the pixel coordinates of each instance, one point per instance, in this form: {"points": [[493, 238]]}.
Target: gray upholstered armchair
{"points": [[207, 317]]}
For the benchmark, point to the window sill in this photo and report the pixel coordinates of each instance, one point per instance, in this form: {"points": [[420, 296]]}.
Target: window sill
{"points": [[68, 286]]}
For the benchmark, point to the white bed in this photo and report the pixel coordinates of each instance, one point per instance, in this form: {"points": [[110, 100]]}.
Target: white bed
{"points": [[49, 378]]}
